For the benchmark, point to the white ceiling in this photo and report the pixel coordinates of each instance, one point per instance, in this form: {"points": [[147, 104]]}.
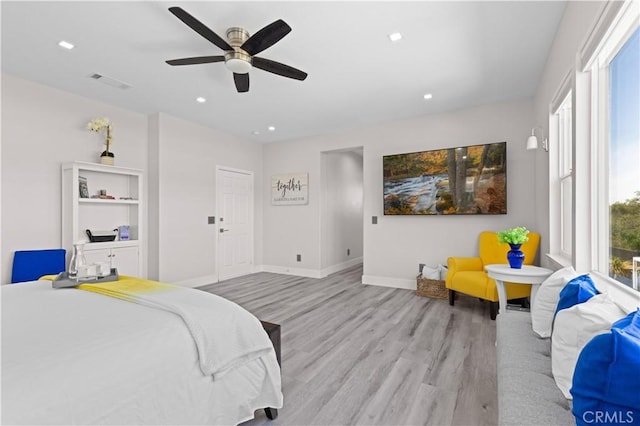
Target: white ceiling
{"points": [[464, 53]]}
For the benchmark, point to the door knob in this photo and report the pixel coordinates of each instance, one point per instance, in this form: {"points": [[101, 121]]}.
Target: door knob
{"points": [[223, 230]]}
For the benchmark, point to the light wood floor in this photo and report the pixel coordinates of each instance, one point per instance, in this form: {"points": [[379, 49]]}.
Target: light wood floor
{"points": [[354, 354]]}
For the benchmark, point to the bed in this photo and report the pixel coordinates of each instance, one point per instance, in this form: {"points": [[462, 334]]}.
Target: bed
{"points": [[76, 357]]}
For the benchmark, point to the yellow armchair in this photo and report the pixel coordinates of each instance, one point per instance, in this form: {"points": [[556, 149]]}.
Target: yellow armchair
{"points": [[467, 275]]}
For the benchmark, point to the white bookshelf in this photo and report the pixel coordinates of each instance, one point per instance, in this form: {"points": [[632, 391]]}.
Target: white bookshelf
{"points": [[98, 214]]}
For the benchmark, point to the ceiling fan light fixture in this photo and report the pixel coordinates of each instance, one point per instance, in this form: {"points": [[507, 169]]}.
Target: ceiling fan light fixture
{"points": [[237, 61], [238, 66]]}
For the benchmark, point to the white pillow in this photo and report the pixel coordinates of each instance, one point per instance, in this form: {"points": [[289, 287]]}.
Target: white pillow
{"points": [[573, 329], [544, 306]]}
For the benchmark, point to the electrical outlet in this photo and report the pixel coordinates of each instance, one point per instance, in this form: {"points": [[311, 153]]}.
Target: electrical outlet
{"points": [[348, 252], [374, 220], [298, 257]]}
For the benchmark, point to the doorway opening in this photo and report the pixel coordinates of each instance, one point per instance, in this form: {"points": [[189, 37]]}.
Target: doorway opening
{"points": [[342, 219]]}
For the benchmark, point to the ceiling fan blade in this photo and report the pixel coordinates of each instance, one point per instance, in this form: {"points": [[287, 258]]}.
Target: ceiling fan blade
{"points": [[266, 37], [278, 68], [196, 60], [242, 82], [200, 28]]}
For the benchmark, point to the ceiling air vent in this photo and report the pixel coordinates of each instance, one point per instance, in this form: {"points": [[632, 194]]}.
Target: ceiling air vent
{"points": [[110, 81]]}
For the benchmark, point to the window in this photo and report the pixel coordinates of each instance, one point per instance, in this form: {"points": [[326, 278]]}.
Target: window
{"points": [[615, 139], [565, 175], [561, 174], [624, 159]]}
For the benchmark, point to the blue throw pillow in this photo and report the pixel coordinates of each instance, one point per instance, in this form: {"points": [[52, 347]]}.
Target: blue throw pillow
{"points": [[606, 389], [578, 290], [624, 322]]}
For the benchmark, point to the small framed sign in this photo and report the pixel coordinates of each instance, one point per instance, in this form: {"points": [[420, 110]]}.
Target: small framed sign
{"points": [[290, 189], [84, 189]]}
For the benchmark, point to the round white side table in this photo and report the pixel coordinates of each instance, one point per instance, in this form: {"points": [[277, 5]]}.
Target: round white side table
{"points": [[529, 274]]}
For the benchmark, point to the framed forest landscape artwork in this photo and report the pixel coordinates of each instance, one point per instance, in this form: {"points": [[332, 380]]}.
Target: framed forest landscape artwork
{"points": [[454, 181]]}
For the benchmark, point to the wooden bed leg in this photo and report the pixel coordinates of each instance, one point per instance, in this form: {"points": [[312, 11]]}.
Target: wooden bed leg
{"points": [[273, 331], [271, 413]]}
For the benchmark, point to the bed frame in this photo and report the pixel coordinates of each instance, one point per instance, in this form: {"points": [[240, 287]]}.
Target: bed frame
{"points": [[273, 331]]}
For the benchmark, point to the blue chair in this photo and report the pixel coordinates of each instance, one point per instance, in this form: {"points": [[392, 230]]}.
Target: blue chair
{"points": [[29, 265]]}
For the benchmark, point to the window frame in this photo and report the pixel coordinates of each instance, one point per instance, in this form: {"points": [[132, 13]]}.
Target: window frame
{"points": [[617, 24], [558, 253], [565, 174]]}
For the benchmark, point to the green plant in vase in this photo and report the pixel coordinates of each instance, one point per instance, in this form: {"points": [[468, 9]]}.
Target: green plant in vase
{"points": [[515, 237]]}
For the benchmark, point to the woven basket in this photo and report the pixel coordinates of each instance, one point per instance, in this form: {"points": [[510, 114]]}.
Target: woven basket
{"points": [[431, 288]]}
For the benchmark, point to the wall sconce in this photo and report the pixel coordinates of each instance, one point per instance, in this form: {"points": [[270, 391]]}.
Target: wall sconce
{"points": [[532, 142]]}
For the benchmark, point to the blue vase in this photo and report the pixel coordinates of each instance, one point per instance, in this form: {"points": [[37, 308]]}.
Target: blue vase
{"points": [[515, 256]]}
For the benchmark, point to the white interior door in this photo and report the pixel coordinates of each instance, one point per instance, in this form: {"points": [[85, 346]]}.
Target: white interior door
{"points": [[235, 222]]}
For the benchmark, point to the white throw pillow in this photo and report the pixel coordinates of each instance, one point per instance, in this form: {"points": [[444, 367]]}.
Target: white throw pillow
{"points": [[544, 306], [574, 328]]}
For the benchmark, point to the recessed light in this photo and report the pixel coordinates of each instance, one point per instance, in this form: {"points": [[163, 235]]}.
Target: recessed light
{"points": [[201, 99], [271, 128], [395, 36], [255, 132], [66, 45], [428, 96]]}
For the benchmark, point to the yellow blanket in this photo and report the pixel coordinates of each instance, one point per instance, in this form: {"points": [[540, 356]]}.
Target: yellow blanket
{"points": [[127, 288]]}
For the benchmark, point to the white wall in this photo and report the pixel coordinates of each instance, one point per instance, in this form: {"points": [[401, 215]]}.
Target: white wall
{"points": [[41, 129], [341, 218], [187, 157], [44, 127], [153, 200], [397, 244]]}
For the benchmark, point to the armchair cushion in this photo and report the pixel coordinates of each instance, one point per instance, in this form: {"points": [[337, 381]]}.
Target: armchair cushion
{"points": [[465, 264], [475, 283]]}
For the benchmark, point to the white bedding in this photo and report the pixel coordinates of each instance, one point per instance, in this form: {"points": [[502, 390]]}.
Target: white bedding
{"points": [[75, 357]]}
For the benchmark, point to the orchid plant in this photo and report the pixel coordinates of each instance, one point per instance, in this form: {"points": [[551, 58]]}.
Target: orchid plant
{"points": [[100, 125]]}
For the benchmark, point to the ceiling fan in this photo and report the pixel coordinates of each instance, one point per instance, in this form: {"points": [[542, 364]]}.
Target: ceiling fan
{"points": [[240, 49]]}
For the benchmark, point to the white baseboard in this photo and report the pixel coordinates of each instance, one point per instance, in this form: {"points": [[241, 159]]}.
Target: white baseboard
{"points": [[286, 270], [310, 273], [409, 284], [257, 268], [198, 282], [340, 266]]}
